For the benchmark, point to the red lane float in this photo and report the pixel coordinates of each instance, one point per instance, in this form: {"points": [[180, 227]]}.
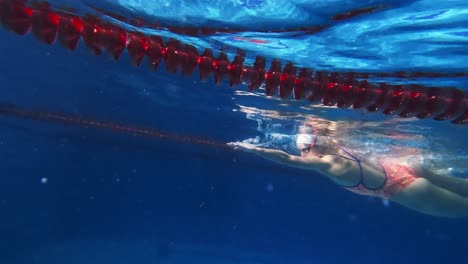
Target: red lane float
{"points": [[343, 90]]}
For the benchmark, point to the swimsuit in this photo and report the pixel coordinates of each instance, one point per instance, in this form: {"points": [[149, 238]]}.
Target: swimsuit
{"points": [[397, 178]]}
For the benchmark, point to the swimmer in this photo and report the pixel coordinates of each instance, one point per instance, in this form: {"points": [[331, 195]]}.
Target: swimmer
{"points": [[392, 179]]}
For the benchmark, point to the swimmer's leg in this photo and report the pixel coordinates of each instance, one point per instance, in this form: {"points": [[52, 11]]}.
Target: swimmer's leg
{"points": [[425, 197], [451, 183]]}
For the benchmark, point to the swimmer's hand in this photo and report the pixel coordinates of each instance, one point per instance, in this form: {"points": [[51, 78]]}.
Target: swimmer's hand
{"points": [[271, 154], [244, 146]]}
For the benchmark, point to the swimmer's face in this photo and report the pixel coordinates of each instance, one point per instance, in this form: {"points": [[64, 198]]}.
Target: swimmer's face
{"points": [[305, 149], [304, 143]]}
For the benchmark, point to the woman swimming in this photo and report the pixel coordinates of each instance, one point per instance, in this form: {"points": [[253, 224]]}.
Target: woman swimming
{"points": [[392, 179]]}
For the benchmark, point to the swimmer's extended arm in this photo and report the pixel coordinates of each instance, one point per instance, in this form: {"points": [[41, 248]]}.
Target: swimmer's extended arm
{"points": [[282, 157]]}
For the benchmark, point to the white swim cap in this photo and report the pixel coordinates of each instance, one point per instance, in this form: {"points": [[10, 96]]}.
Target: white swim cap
{"points": [[307, 139]]}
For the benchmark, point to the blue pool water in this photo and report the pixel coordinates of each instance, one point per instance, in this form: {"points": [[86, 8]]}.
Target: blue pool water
{"points": [[76, 195]]}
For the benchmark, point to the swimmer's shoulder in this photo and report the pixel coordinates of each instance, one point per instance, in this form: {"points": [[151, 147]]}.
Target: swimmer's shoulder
{"points": [[317, 163]]}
